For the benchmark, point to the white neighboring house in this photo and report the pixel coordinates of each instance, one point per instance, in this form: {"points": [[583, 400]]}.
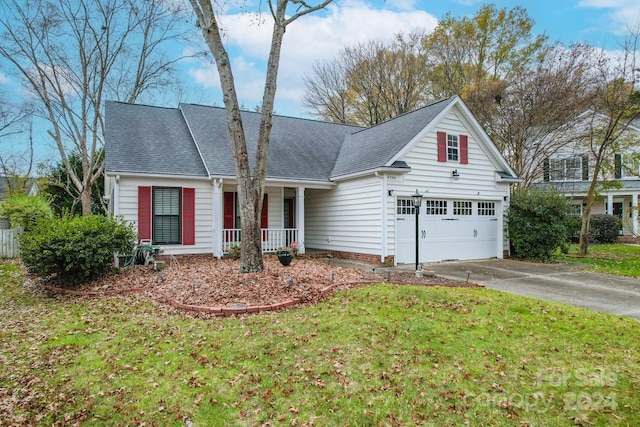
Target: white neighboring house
{"points": [[570, 172], [330, 187]]}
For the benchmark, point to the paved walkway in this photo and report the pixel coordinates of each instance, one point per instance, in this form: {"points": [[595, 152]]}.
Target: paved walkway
{"points": [[563, 283]]}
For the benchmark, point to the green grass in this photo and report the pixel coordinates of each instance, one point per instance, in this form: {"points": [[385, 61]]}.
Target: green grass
{"points": [[375, 355], [620, 259]]}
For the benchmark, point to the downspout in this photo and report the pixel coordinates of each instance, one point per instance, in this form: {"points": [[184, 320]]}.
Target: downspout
{"points": [[383, 225], [116, 196]]}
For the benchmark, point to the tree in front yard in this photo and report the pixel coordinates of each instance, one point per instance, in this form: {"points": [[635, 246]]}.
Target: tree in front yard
{"points": [[538, 223], [615, 107], [250, 183]]}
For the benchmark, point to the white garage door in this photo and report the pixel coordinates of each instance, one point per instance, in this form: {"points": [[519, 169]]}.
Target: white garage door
{"points": [[448, 230]]}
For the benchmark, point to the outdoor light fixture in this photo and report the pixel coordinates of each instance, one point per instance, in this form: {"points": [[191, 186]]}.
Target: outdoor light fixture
{"points": [[455, 174], [417, 202]]}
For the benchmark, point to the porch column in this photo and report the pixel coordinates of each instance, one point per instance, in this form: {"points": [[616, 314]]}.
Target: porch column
{"points": [[609, 204], [300, 218], [217, 219], [116, 196], [634, 214]]}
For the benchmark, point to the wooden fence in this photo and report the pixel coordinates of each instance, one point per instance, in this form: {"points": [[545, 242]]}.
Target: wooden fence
{"points": [[9, 245]]}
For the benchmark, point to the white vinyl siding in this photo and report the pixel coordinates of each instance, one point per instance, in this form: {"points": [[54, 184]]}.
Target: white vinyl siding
{"points": [[346, 218]]}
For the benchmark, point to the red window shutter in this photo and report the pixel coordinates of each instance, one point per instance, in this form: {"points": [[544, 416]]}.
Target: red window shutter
{"points": [[442, 146], [464, 149], [144, 213], [264, 216], [229, 207], [188, 216]]}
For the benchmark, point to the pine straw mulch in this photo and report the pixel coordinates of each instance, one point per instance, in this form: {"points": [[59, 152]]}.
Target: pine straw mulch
{"points": [[207, 284]]}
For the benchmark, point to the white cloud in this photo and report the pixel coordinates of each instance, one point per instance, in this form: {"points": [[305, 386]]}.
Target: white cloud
{"points": [[312, 38], [623, 14], [3, 79]]}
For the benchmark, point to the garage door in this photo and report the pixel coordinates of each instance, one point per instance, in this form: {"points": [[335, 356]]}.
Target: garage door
{"points": [[448, 230]]}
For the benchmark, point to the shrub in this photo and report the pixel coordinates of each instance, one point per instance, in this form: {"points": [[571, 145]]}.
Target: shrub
{"points": [[604, 228], [538, 223], [76, 249], [26, 211]]}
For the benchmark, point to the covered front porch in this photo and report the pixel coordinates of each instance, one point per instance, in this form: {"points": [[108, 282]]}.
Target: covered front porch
{"points": [[272, 238], [281, 219], [621, 203]]}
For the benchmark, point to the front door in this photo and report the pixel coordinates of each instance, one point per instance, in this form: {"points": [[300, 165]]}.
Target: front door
{"points": [[617, 211], [289, 215]]}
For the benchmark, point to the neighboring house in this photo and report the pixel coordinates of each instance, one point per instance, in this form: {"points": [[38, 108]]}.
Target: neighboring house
{"points": [[570, 171], [330, 187]]}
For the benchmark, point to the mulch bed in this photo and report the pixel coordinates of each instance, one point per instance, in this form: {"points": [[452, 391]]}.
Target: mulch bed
{"points": [[207, 285]]}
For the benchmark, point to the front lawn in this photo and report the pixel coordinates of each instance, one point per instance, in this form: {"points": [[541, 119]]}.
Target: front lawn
{"points": [[374, 355], [620, 259]]}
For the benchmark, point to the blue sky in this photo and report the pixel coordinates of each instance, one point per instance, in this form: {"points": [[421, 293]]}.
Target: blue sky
{"points": [[321, 36]]}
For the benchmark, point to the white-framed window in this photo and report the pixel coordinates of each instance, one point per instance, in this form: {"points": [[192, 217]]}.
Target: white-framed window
{"points": [[166, 215], [486, 208], [566, 169], [405, 207], [461, 207], [630, 166], [453, 149], [576, 209], [435, 207]]}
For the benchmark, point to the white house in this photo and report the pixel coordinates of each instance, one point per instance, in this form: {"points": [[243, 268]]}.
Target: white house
{"points": [[330, 187], [570, 171]]}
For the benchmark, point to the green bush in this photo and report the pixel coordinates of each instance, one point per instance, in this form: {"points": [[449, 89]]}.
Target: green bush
{"points": [[604, 228], [26, 211], [538, 223], [76, 249]]}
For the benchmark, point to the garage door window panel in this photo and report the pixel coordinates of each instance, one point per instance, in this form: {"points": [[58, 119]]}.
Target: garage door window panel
{"points": [[486, 208], [462, 208], [405, 207], [435, 207]]}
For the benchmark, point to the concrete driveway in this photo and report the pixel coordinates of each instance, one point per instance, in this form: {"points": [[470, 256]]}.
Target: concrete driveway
{"points": [[563, 283]]}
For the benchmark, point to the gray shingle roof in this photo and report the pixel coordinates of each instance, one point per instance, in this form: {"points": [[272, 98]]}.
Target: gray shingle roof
{"points": [[376, 146], [149, 140], [298, 149], [155, 140]]}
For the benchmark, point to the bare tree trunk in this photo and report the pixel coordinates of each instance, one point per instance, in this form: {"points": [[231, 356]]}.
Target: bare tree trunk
{"points": [[250, 186]]}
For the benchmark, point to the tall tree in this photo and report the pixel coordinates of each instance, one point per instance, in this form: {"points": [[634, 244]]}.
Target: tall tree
{"points": [[470, 53], [370, 82], [71, 55], [616, 104], [528, 117], [250, 182]]}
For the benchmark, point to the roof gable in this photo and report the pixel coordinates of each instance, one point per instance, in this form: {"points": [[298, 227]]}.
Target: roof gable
{"points": [[379, 145], [149, 140]]}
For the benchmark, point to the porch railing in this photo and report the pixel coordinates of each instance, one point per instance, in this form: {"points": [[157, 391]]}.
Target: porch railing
{"points": [[272, 238]]}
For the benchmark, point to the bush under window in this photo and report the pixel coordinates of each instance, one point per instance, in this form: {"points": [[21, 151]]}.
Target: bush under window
{"points": [[76, 249]]}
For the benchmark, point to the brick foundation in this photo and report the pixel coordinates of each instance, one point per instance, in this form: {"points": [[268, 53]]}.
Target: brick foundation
{"points": [[629, 239], [366, 258]]}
